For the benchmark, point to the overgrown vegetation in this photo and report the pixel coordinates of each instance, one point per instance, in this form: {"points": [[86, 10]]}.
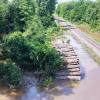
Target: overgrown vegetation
{"points": [[30, 28], [45, 10], [10, 72], [81, 11]]}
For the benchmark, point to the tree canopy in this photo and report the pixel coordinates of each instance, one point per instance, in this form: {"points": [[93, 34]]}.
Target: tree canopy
{"points": [[45, 9], [81, 11], [28, 26]]}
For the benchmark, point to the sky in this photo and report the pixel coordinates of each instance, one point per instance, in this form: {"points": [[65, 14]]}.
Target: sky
{"points": [[59, 1], [63, 0], [66, 0]]}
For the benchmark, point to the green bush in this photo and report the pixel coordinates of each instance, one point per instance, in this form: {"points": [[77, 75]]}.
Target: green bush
{"points": [[17, 48], [2, 68], [31, 48], [45, 9], [34, 26], [3, 17], [53, 61], [46, 58], [10, 72], [33, 52], [47, 82]]}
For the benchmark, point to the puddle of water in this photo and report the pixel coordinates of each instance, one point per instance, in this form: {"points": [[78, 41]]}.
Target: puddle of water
{"points": [[9, 94], [86, 62], [58, 88], [33, 92]]}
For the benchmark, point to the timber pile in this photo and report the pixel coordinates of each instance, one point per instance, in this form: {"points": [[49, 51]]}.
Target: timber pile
{"points": [[71, 67]]}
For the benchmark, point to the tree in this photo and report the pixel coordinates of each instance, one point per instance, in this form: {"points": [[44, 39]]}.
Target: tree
{"points": [[3, 17], [81, 11], [98, 15], [15, 15], [45, 9], [25, 10]]}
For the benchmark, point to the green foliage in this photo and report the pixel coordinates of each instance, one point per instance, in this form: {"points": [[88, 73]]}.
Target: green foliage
{"points": [[14, 15], [46, 59], [10, 72], [31, 28], [20, 12], [48, 82], [33, 52], [34, 26], [3, 17], [81, 11], [45, 9], [17, 48]]}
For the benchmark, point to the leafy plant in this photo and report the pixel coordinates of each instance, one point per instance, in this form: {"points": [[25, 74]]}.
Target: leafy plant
{"points": [[17, 48], [44, 11], [48, 82], [33, 52], [31, 28], [10, 72]]}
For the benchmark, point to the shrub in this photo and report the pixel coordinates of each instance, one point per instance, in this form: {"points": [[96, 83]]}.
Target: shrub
{"points": [[2, 68], [10, 72], [46, 58], [47, 82], [16, 48], [53, 61], [32, 52], [52, 32], [34, 26]]}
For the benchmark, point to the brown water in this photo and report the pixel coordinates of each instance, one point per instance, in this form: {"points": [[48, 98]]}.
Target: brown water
{"points": [[9, 94], [87, 89], [31, 91]]}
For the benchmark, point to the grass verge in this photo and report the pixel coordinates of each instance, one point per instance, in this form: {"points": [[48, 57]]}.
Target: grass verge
{"points": [[86, 29], [89, 31]]}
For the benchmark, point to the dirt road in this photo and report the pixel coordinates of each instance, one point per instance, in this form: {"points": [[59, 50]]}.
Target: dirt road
{"points": [[85, 39]]}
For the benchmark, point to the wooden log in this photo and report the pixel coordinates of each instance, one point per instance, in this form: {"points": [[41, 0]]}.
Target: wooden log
{"points": [[72, 66], [64, 49], [70, 47], [75, 78], [66, 73], [72, 63], [57, 42], [72, 57], [68, 54], [73, 69], [60, 46], [71, 60]]}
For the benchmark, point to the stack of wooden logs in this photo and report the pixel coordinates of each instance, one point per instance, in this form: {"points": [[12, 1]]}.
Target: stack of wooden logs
{"points": [[71, 66]]}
